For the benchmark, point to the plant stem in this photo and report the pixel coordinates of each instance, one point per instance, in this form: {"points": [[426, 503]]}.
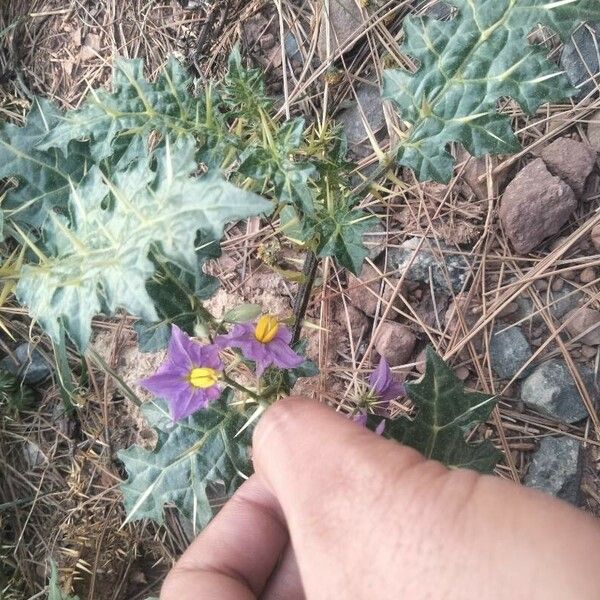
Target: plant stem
{"points": [[241, 388], [311, 262]]}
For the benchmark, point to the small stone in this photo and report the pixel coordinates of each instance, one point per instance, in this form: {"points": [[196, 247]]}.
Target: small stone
{"points": [[535, 205], [340, 27], [395, 342], [588, 275], [509, 352], [551, 390], [509, 309], [556, 468], [366, 293], [541, 285], [580, 59], [349, 316], [593, 131], [595, 235], [462, 373], [569, 275], [588, 351], [582, 319], [367, 107], [375, 240], [30, 367], [448, 271], [420, 362], [558, 284], [571, 161]]}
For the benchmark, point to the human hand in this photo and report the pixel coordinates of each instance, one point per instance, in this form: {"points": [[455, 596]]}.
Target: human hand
{"points": [[370, 519]]}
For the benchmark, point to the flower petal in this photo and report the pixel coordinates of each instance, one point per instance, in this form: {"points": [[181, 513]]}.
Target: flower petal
{"points": [[283, 356], [165, 385]]}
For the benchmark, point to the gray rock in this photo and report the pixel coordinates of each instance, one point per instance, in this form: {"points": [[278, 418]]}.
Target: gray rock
{"points": [[437, 10], [343, 25], [369, 107], [375, 240], [449, 272], [551, 390], [561, 302], [509, 351], [579, 58], [291, 45], [30, 366], [556, 468]]}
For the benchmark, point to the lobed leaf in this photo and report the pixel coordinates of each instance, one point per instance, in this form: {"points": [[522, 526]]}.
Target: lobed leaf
{"points": [[131, 111], [469, 63], [445, 413], [45, 177], [100, 260], [189, 457]]}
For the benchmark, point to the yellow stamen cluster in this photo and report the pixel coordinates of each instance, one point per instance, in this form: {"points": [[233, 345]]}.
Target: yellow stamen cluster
{"points": [[266, 329], [203, 377]]}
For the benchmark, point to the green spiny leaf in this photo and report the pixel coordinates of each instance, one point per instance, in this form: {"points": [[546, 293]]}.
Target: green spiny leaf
{"points": [[445, 413], [467, 65], [133, 109], [190, 456], [342, 237], [176, 294], [45, 178], [100, 262]]}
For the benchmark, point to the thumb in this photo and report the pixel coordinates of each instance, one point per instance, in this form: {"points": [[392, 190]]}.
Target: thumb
{"points": [[372, 518]]}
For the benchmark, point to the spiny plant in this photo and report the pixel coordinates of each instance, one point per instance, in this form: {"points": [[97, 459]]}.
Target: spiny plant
{"points": [[121, 202], [466, 66]]}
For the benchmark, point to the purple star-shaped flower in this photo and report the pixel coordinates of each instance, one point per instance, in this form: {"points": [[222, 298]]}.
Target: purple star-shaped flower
{"points": [[266, 342], [385, 389], [188, 377], [383, 385]]}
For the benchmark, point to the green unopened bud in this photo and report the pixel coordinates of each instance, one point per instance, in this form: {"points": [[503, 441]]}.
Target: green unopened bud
{"points": [[242, 313]]}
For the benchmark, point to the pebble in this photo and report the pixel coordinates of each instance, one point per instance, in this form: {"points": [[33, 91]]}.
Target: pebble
{"points": [[593, 131], [588, 275], [557, 468], [395, 342], [509, 309], [30, 367], [535, 206], [462, 373], [558, 284], [448, 272], [595, 235], [570, 160], [580, 58], [368, 105], [588, 351], [359, 294], [340, 27], [541, 285], [551, 390], [581, 320], [509, 351]]}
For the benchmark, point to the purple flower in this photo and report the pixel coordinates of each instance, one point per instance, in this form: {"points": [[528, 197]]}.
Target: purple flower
{"points": [[188, 377], [383, 385], [383, 390], [266, 342]]}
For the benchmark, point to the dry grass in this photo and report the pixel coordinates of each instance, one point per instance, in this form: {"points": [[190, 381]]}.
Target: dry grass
{"points": [[59, 486]]}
